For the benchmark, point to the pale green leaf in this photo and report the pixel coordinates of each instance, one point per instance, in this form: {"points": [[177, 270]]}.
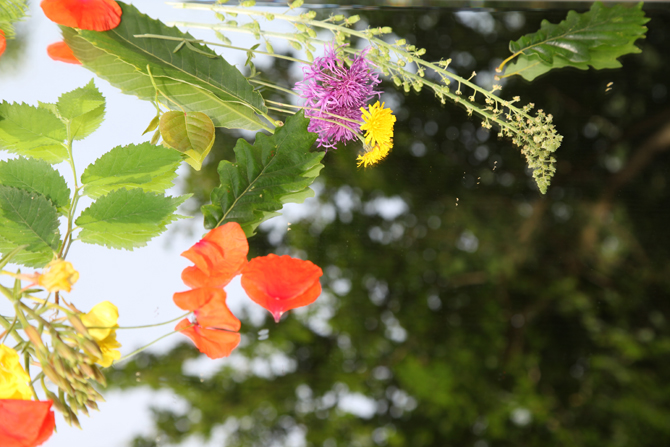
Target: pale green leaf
{"points": [[191, 133], [127, 218], [151, 168], [595, 38], [28, 218], [31, 131], [276, 170], [36, 176], [83, 108]]}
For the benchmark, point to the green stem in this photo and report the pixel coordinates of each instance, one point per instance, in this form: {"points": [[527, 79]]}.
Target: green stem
{"points": [[26, 360], [137, 351], [67, 239], [141, 327], [7, 325], [276, 87], [9, 330], [205, 42]]}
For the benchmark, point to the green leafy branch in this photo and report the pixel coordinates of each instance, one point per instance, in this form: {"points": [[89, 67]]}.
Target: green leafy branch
{"points": [[595, 38]]}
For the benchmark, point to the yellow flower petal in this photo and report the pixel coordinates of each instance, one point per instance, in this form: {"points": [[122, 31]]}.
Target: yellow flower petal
{"points": [[58, 275], [375, 155], [13, 378], [104, 315], [378, 125]]}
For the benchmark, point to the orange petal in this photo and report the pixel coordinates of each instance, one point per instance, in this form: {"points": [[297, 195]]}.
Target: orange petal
{"points": [[218, 257], [59, 51], [196, 298], [94, 15], [211, 342], [25, 422], [281, 283], [3, 42], [216, 315]]}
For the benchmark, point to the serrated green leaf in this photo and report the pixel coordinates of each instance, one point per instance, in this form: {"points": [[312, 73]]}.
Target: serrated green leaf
{"points": [[151, 168], [51, 107], [83, 108], [31, 131], [191, 133], [36, 176], [28, 218], [276, 170], [189, 75], [595, 38], [127, 218]]}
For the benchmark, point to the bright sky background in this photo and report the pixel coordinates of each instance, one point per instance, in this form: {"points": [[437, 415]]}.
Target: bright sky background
{"points": [[140, 283]]}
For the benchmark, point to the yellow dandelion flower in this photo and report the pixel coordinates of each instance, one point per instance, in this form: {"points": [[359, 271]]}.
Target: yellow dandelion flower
{"points": [[375, 155], [378, 125], [104, 317], [58, 275]]}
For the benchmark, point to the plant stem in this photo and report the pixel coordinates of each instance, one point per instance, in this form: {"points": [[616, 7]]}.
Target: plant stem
{"points": [[141, 327]]}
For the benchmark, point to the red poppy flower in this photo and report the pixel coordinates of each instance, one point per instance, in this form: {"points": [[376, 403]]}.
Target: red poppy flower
{"points": [[281, 283], [25, 423], [218, 257], [209, 306], [94, 15], [3, 42], [214, 343], [59, 51]]}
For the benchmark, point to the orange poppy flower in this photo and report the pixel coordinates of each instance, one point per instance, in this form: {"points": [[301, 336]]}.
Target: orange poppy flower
{"points": [[218, 257], [209, 307], [25, 423], [3, 42], [281, 283], [59, 51], [94, 15], [214, 343]]}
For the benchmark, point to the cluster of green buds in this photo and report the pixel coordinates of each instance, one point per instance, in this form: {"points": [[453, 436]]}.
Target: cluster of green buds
{"points": [[69, 363]]}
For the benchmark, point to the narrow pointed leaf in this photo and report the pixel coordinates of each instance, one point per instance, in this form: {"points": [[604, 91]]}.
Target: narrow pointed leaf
{"points": [[32, 131], [151, 168], [198, 80], [36, 176], [127, 218], [191, 133], [83, 108], [595, 38], [277, 169], [28, 218]]}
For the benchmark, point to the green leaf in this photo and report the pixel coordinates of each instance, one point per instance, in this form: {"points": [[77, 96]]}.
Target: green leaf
{"points": [[189, 75], [36, 176], [191, 133], [83, 108], [277, 169], [595, 38], [151, 168], [33, 132], [28, 218], [11, 11], [127, 218]]}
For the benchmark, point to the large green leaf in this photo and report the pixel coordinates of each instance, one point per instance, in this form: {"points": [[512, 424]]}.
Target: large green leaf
{"points": [[28, 218], [36, 176], [127, 218], [595, 38], [277, 169], [199, 74], [145, 166], [191, 133], [83, 108], [33, 132]]}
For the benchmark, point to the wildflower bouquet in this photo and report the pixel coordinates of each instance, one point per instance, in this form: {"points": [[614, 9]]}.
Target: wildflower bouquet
{"points": [[338, 102]]}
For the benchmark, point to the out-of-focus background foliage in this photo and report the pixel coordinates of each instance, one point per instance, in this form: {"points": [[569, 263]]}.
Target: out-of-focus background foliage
{"points": [[461, 307]]}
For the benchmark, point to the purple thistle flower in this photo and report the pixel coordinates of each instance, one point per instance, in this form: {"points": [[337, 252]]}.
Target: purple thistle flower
{"points": [[331, 87]]}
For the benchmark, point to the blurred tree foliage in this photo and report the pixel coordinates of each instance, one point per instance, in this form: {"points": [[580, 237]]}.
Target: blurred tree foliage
{"points": [[482, 313]]}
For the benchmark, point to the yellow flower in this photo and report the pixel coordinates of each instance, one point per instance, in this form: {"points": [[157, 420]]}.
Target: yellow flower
{"points": [[104, 315], [375, 155], [378, 126], [58, 275], [13, 378]]}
